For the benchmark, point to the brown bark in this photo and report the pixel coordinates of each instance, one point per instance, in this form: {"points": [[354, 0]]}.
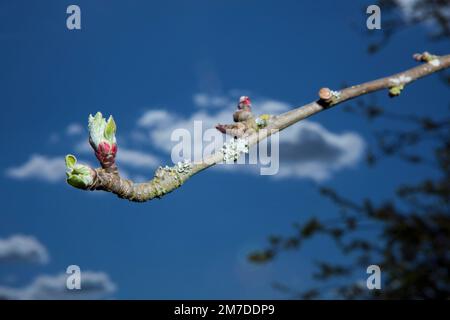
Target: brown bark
{"points": [[169, 179]]}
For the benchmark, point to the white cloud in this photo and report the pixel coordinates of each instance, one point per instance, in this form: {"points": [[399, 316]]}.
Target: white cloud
{"points": [[94, 285], [154, 117], [20, 248], [311, 151], [39, 167], [74, 129], [83, 146], [160, 124]]}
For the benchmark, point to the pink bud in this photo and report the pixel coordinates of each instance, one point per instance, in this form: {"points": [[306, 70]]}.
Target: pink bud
{"points": [[325, 94]]}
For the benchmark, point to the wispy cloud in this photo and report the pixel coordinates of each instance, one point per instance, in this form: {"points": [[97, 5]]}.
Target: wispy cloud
{"points": [[22, 249], [94, 285], [159, 124], [74, 129], [40, 167], [307, 150], [52, 169]]}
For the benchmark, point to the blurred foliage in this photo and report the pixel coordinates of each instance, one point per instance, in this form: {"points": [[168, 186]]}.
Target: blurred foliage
{"points": [[397, 15], [412, 229]]}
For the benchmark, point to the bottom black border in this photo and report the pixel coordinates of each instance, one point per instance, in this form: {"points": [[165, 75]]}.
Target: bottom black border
{"points": [[230, 309]]}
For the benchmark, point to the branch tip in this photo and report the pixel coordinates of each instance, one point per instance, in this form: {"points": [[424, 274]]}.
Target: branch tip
{"points": [[102, 138]]}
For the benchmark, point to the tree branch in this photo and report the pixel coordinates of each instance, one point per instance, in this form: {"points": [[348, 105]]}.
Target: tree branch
{"points": [[103, 141]]}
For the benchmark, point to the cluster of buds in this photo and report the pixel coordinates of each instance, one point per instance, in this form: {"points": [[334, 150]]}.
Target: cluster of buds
{"points": [[180, 168], [102, 137], [233, 149], [244, 110], [399, 85], [78, 175], [262, 121]]}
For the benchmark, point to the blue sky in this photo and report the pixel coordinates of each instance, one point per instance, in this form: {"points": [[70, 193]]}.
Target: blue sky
{"points": [[135, 58]]}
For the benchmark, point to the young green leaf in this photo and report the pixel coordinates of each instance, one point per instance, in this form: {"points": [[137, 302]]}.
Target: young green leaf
{"points": [[70, 161]]}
